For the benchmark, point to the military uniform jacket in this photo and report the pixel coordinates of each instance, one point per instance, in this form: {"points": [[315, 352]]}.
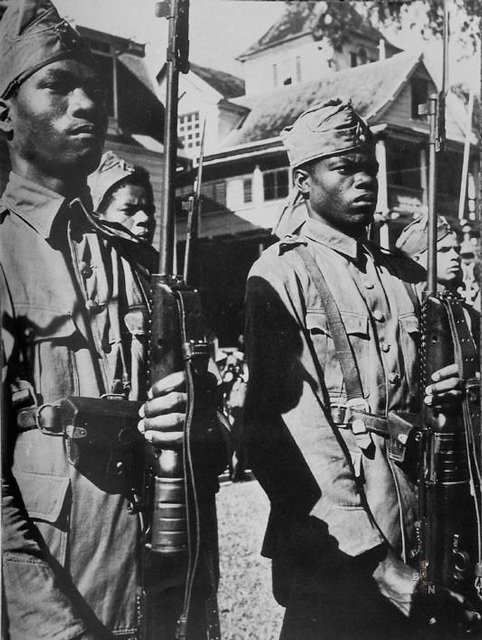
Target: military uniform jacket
{"points": [[330, 501], [73, 323]]}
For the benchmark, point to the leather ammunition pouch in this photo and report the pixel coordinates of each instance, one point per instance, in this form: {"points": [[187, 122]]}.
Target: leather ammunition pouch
{"points": [[101, 433]]}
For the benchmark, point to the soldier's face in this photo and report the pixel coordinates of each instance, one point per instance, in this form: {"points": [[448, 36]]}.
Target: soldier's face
{"points": [[342, 190], [58, 122], [131, 205], [449, 263]]}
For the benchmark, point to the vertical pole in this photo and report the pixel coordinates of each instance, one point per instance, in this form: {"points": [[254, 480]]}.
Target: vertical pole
{"points": [[166, 227], [432, 212], [465, 164]]}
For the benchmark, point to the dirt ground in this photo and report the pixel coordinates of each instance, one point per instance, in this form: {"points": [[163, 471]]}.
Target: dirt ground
{"points": [[247, 608]]}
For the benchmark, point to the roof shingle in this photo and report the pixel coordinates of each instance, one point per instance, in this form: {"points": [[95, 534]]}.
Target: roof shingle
{"points": [[370, 86]]}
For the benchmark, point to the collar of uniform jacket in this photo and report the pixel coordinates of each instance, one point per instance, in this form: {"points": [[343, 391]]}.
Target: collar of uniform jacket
{"points": [[324, 234], [37, 205]]}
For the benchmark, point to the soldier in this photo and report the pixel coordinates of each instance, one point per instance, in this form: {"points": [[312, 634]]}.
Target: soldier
{"points": [[122, 193], [413, 243], [74, 311], [332, 339]]}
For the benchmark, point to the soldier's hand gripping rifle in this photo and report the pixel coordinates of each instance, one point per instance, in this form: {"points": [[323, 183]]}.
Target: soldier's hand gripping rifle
{"points": [[450, 482], [178, 342]]}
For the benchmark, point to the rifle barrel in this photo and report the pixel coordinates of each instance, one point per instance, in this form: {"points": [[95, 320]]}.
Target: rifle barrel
{"points": [[166, 244]]}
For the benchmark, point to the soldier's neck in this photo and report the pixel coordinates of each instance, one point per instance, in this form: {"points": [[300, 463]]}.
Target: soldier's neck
{"points": [[68, 187]]}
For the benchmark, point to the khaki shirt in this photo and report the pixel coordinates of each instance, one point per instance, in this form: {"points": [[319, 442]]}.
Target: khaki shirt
{"points": [[308, 465], [73, 323]]}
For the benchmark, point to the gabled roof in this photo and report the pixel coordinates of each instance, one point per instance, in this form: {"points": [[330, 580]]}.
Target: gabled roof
{"points": [[370, 86], [226, 84], [309, 17]]}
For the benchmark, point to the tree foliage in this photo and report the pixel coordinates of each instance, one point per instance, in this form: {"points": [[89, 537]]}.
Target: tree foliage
{"points": [[396, 13]]}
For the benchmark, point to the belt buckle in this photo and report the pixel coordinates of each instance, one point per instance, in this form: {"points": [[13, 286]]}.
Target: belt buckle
{"points": [[48, 420], [339, 413], [362, 436]]}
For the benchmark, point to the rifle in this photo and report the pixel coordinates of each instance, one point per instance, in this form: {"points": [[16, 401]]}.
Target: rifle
{"points": [[177, 341], [194, 216], [449, 534]]}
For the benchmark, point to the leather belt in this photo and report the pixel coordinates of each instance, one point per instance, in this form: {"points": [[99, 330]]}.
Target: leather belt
{"points": [[46, 418], [344, 415]]}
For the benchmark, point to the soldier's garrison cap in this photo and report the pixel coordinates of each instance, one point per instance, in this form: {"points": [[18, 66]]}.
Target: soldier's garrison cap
{"points": [[413, 239], [33, 35], [110, 171], [328, 129]]}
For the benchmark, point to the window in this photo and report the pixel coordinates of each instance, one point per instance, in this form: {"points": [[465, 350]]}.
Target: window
{"points": [[190, 130], [419, 88], [275, 184], [286, 72], [214, 196], [104, 56], [353, 59], [403, 164], [247, 190]]}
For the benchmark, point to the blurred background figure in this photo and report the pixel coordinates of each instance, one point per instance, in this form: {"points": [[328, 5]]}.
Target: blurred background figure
{"points": [[234, 372], [413, 242], [122, 194]]}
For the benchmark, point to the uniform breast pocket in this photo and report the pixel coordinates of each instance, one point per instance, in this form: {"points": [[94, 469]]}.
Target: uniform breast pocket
{"points": [[50, 337], [410, 344], [356, 327]]}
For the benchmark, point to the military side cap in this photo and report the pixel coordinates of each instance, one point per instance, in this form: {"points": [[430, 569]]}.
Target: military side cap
{"points": [[327, 129], [33, 35], [110, 171], [414, 237]]}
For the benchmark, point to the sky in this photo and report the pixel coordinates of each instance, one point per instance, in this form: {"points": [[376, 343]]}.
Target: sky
{"points": [[220, 30]]}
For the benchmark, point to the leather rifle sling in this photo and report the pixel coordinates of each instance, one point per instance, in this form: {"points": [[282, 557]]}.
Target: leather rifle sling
{"points": [[343, 348]]}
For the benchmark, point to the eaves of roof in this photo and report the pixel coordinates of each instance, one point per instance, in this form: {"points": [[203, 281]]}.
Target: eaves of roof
{"points": [[227, 84], [370, 86], [254, 50]]}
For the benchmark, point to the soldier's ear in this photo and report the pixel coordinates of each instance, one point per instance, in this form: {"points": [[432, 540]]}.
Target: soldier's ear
{"points": [[5, 119], [301, 179]]}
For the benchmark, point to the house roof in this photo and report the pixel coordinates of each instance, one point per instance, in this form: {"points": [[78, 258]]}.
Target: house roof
{"points": [[370, 86], [226, 84], [309, 17]]}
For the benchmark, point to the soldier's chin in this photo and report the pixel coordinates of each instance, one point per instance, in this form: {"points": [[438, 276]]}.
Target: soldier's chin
{"points": [[89, 160]]}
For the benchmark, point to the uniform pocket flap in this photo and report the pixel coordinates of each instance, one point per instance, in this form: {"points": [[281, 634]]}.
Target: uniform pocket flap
{"points": [[355, 323], [43, 495], [410, 323], [136, 320], [45, 324], [316, 322]]}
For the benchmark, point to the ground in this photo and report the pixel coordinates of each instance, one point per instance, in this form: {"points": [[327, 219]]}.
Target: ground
{"points": [[247, 608]]}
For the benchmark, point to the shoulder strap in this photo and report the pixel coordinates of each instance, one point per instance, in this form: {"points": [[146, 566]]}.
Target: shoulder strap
{"points": [[344, 350]]}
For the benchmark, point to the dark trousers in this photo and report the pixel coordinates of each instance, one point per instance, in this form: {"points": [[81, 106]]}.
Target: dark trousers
{"points": [[344, 605]]}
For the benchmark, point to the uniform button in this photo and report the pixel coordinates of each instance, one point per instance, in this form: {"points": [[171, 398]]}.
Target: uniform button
{"points": [[378, 315], [85, 269], [394, 378], [369, 285], [385, 347], [92, 306]]}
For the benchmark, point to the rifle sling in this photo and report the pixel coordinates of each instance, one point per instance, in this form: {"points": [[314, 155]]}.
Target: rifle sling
{"points": [[344, 351]]}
